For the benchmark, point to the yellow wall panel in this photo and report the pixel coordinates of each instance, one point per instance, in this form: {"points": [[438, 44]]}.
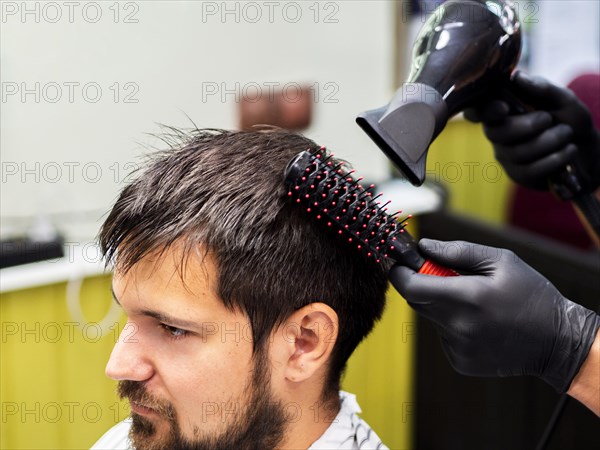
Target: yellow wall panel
{"points": [[53, 388], [463, 160]]}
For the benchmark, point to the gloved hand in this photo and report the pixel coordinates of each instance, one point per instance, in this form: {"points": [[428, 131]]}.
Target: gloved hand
{"points": [[535, 145], [503, 319]]}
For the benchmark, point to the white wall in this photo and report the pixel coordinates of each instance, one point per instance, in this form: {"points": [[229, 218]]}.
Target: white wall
{"points": [[565, 38], [65, 154]]}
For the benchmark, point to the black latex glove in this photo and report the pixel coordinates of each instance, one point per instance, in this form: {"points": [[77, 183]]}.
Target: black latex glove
{"points": [[505, 319], [535, 145]]}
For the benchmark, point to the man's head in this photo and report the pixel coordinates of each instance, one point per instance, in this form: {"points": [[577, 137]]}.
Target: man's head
{"points": [[204, 240]]}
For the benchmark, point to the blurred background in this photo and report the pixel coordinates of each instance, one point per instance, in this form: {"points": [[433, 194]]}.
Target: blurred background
{"points": [[85, 87]]}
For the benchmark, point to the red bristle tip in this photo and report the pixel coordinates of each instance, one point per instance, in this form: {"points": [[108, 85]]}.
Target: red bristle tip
{"points": [[298, 200], [378, 260], [359, 246], [289, 193], [303, 178], [307, 196], [371, 186], [319, 216], [297, 187], [369, 254], [308, 210], [340, 232], [409, 216], [307, 169], [385, 256], [349, 239], [402, 230], [322, 147], [328, 224], [382, 241], [318, 156]]}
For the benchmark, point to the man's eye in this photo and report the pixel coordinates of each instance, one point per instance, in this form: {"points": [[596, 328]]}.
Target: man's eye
{"points": [[174, 332]]}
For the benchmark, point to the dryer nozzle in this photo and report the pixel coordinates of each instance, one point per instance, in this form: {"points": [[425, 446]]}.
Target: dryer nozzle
{"points": [[465, 51]]}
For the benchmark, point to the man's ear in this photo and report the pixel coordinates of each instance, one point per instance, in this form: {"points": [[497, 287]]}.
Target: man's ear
{"points": [[309, 336]]}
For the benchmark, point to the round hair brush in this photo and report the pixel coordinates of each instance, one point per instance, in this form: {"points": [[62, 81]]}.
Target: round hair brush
{"points": [[319, 184]]}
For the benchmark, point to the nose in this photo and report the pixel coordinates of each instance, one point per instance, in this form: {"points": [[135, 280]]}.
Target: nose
{"points": [[129, 360]]}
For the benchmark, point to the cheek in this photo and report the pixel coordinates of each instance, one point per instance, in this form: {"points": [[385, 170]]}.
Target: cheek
{"points": [[205, 376]]}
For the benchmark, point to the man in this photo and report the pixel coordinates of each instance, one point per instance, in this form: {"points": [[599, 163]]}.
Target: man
{"points": [[241, 312]]}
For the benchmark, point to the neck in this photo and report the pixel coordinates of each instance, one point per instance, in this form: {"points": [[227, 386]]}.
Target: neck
{"points": [[310, 415]]}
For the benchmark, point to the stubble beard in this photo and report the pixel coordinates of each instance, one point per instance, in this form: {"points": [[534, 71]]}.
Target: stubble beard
{"points": [[259, 423]]}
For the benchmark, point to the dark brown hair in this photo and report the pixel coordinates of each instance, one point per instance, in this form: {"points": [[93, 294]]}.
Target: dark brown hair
{"points": [[224, 191]]}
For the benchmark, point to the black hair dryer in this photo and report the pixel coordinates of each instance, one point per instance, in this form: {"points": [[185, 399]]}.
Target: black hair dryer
{"points": [[464, 51]]}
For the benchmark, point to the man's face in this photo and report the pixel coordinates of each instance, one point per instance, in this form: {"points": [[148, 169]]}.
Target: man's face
{"points": [[185, 362]]}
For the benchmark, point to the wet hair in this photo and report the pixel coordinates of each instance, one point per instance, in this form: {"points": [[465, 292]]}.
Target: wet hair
{"points": [[223, 191]]}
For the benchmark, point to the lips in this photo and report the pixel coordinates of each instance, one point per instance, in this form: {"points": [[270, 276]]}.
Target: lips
{"points": [[143, 410]]}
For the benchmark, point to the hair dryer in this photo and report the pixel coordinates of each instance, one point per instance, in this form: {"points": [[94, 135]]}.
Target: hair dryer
{"points": [[465, 49]]}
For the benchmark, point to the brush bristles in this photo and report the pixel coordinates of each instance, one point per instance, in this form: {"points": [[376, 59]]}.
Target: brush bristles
{"points": [[334, 197]]}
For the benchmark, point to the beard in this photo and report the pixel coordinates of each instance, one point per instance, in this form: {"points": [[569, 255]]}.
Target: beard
{"points": [[261, 424]]}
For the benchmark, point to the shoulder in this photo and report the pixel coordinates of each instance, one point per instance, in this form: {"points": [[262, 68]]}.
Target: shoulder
{"points": [[117, 438]]}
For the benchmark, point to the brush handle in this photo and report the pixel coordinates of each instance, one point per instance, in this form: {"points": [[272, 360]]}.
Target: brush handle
{"points": [[431, 268], [405, 251]]}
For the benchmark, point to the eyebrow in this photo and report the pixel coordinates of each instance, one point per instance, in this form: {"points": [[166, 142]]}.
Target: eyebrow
{"points": [[162, 317]]}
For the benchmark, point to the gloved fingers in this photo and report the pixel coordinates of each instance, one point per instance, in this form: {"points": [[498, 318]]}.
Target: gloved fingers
{"points": [[536, 173], [492, 112], [518, 128], [539, 92], [461, 255], [546, 143], [423, 291]]}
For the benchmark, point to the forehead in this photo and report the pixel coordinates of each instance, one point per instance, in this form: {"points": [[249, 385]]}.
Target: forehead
{"points": [[167, 279]]}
